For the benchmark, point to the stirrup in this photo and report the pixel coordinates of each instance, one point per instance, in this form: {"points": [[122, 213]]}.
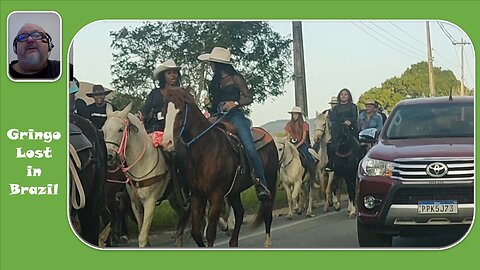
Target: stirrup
{"points": [[263, 193]]}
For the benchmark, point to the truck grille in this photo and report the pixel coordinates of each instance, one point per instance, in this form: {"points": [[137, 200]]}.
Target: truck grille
{"points": [[412, 195], [417, 169]]}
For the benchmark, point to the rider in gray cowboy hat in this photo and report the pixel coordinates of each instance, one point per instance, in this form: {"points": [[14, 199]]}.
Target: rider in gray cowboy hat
{"points": [[229, 92], [97, 111]]}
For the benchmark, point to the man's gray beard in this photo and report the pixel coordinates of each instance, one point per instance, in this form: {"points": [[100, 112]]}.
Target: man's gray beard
{"points": [[33, 59]]}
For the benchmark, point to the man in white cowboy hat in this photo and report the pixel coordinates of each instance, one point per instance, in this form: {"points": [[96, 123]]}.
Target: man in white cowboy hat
{"points": [[168, 76], [229, 92], [97, 111]]}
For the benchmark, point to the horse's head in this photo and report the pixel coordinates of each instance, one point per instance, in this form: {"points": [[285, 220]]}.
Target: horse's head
{"points": [[285, 149], [118, 123], [176, 112], [322, 131]]}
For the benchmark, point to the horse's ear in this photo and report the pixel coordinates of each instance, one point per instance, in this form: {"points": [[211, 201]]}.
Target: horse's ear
{"points": [[109, 109], [127, 109]]}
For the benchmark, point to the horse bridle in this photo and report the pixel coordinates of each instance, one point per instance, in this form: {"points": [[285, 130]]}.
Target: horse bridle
{"points": [[121, 148], [281, 157], [184, 124]]}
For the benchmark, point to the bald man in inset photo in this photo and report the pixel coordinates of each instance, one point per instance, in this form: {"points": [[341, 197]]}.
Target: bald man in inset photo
{"points": [[33, 45]]}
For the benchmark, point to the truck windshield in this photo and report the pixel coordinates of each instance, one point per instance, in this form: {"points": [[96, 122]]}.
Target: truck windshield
{"points": [[432, 121]]}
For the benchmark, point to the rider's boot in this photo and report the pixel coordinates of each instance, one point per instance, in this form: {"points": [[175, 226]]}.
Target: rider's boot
{"points": [[263, 194]]}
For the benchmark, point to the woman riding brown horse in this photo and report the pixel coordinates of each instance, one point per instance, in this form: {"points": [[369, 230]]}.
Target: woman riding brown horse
{"points": [[212, 166]]}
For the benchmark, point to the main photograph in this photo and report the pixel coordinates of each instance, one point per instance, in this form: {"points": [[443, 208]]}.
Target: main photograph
{"points": [[276, 134]]}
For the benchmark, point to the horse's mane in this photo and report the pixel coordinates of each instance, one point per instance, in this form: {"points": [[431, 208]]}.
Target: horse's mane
{"points": [[322, 119], [179, 95]]}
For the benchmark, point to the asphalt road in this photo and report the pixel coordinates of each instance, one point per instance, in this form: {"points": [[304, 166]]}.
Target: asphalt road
{"points": [[331, 230]]}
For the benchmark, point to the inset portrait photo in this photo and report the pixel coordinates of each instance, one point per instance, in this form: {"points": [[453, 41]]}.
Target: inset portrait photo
{"points": [[34, 46]]}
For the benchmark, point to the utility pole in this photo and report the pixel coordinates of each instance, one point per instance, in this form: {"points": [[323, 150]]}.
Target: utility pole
{"points": [[462, 78], [431, 81], [299, 68]]}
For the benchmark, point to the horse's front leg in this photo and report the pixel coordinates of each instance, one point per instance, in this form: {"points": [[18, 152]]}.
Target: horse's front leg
{"points": [[310, 190], [148, 208], [137, 207], [351, 181], [216, 206], [297, 196], [198, 212], [238, 211], [182, 218], [288, 191]]}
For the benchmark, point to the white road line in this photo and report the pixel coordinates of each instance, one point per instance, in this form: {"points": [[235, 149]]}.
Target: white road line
{"points": [[288, 225]]}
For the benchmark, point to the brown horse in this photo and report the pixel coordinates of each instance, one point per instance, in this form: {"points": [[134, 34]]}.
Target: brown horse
{"points": [[92, 173], [211, 166]]}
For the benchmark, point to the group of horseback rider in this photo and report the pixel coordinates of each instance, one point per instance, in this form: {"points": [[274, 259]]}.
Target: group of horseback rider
{"points": [[228, 93], [342, 112]]}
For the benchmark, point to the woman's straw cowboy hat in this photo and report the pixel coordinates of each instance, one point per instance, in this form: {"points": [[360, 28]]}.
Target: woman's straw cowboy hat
{"points": [[296, 109], [169, 64], [98, 90], [333, 100], [218, 54], [370, 102]]}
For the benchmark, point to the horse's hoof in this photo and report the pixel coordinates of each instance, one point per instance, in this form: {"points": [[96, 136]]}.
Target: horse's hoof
{"points": [[310, 215], [336, 208], [352, 215], [289, 217], [123, 239]]}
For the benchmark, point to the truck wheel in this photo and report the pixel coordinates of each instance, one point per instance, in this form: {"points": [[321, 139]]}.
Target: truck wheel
{"points": [[368, 238]]}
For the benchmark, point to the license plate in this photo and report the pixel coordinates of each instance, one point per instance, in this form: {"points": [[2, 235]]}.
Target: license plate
{"points": [[437, 207]]}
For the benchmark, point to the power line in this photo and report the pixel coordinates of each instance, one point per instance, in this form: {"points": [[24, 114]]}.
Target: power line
{"points": [[391, 41], [381, 40], [444, 30], [470, 71], [406, 33], [447, 62], [397, 38]]}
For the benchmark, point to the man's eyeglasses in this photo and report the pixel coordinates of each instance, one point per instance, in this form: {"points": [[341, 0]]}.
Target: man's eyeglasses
{"points": [[23, 37]]}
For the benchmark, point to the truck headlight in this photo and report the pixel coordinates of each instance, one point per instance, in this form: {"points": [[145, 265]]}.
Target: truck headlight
{"points": [[375, 167]]}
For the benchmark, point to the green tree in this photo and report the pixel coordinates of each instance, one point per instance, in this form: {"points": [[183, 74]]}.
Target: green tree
{"points": [[413, 83], [261, 55]]}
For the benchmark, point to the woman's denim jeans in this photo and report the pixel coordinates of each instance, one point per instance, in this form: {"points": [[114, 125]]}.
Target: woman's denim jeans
{"points": [[237, 118]]}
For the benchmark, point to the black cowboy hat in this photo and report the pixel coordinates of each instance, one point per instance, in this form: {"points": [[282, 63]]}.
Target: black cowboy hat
{"points": [[98, 90]]}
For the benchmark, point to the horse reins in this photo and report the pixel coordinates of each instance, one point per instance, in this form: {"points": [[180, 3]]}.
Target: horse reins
{"points": [[75, 162], [122, 150], [201, 133]]}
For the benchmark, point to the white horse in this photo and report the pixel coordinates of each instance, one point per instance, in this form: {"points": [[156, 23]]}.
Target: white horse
{"points": [[148, 173], [291, 174], [322, 136]]}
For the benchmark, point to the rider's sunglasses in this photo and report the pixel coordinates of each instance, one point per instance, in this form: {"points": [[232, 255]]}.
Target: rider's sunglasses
{"points": [[23, 37]]}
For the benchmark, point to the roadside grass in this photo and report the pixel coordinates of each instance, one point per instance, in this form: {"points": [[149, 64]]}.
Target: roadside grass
{"points": [[164, 218]]}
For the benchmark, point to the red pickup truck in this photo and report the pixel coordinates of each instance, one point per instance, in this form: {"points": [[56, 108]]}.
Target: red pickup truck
{"points": [[420, 176]]}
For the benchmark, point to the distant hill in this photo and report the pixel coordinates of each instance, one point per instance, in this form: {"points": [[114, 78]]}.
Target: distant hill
{"points": [[278, 126]]}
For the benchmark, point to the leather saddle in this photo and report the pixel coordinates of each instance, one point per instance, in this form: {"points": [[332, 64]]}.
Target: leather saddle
{"points": [[78, 139], [260, 136]]}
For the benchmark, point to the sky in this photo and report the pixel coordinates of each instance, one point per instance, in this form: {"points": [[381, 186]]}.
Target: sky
{"points": [[357, 55]]}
